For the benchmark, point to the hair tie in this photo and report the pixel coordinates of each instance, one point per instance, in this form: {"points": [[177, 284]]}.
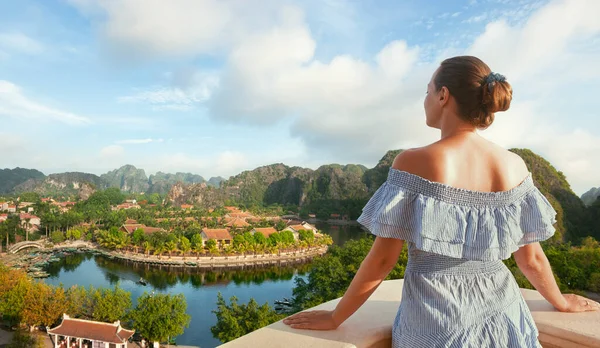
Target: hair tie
{"points": [[492, 78]]}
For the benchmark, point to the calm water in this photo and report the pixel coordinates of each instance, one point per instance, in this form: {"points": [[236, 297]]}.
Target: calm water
{"points": [[199, 288]]}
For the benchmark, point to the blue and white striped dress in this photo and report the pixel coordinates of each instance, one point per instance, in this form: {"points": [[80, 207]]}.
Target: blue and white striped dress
{"points": [[457, 292]]}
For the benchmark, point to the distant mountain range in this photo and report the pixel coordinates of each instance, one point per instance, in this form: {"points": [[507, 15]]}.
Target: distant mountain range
{"points": [[591, 196], [344, 189], [332, 188], [127, 178]]}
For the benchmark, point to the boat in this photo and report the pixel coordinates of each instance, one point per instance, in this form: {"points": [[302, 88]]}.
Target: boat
{"points": [[142, 281]]}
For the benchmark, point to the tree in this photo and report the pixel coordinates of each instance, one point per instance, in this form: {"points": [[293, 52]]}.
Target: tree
{"points": [[171, 247], [234, 320], [14, 285], [211, 244], [114, 195], [259, 238], [197, 246], [185, 245], [110, 305], [25, 340], [44, 305], [159, 317], [57, 237]]}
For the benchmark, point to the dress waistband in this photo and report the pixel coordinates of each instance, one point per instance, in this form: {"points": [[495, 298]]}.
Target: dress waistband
{"points": [[422, 262]]}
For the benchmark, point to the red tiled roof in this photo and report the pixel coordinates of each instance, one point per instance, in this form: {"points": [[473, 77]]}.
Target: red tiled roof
{"points": [[24, 216], [266, 231], [130, 221], [217, 233], [235, 222], [186, 206], [92, 330], [130, 228], [297, 227]]}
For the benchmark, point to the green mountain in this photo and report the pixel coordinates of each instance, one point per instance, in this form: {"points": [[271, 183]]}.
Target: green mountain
{"points": [[162, 182], [9, 178], [63, 184], [591, 196], [345, 189], [215, 181], [553, 184], [127, 178]]}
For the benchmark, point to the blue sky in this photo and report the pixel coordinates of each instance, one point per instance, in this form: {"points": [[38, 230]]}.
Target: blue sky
{"points": [[217, 87]]}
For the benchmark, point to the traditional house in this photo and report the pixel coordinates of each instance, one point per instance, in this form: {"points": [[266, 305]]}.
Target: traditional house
{"points": [[11, 208], [126, 205], [265, 231], [241, 215], [309, 227], [3, 217], [295, 229], [220, 235], [236, 222], [89, 334], [30, 222], [130, 228], [232, 209], [312, 216]]}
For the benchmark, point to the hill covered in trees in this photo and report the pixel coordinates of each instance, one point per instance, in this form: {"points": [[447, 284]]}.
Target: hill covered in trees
{"points": [[128, 179], [344, 189]]}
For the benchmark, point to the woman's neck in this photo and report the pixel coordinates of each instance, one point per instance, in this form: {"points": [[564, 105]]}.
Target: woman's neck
{"points": [[452, 125]]}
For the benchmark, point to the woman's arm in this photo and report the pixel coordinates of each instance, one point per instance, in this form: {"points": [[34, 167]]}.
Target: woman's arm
{"points": [[376, 266], [535, 266]]}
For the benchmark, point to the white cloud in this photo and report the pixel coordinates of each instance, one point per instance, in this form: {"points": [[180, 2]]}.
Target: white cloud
{"points": [[195, 91], [231, 162], [15, 41], [112, 151], [357, 108], [13, 103]]}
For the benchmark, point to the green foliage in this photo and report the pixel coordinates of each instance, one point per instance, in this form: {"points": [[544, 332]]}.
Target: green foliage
{"points": [[110, 305], [185, 245], [234, 320], [259, 238], [29, 197], [159, 317], [57, 237], [25, 340], [114, 195], [211, 244], [306, 235]]}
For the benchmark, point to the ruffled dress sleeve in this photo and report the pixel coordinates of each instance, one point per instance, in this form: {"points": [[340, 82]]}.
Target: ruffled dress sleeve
{"points": [[458, 223]]}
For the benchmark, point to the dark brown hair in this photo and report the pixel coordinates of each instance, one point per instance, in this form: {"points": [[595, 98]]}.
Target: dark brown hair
{"points": [[478, 92]]}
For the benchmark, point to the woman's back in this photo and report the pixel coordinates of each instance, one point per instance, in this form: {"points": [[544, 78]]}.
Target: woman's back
{"points": [[466, 161]]}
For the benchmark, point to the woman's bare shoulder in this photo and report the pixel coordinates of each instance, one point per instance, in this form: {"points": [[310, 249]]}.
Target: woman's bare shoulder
{"points": [[427, 162]]}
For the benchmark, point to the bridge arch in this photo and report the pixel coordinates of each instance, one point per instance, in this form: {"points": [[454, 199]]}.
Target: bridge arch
{"points": [[15, 248]]}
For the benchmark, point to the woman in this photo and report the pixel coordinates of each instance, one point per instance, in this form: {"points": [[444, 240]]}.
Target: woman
{"points": [[462, 204]]}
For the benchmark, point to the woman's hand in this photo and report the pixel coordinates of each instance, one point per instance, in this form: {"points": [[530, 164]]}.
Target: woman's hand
{"points": [[576, 303], [312, 320]]}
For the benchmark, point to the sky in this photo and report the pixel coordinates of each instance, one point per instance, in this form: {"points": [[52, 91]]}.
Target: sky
{"points": [[215, 87]]}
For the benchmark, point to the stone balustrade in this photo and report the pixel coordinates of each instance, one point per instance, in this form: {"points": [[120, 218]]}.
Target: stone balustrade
{"points": [[371, 325]]}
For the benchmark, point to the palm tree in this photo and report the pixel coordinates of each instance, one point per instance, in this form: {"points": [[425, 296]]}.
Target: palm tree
{"points": [[147, 248], [171, 247]]}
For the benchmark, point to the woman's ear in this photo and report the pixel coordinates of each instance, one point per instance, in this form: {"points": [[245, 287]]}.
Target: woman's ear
{"points": [[443, 96]]}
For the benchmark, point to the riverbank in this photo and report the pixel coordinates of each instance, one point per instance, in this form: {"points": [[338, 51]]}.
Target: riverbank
{"points": [[34, 261]]}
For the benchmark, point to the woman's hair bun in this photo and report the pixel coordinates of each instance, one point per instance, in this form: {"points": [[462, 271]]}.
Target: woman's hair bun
{"points": [[496, 93], [478, 91]]}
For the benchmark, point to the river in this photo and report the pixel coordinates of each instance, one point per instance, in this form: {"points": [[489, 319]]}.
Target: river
{"points": [[199, 287]]}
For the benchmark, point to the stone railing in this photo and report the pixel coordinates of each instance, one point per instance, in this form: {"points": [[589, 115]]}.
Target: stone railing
{"points": [[371, 325]]}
